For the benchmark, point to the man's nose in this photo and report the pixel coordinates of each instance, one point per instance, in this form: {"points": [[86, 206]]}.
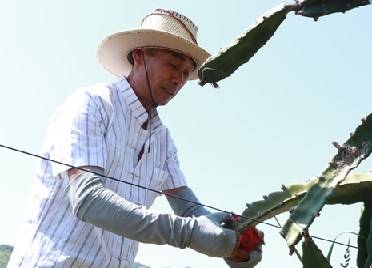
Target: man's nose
{"points": [[179, 78]]}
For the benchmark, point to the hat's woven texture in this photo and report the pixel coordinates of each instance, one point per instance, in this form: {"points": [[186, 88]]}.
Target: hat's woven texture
{"points": [[171, 22]]}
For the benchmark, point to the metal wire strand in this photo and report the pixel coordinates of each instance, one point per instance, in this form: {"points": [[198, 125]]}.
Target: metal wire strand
{"points": [[161, 193], [129, 183]]}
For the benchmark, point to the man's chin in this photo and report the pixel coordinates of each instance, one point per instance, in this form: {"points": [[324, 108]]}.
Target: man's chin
{"points": [[163, 102]]}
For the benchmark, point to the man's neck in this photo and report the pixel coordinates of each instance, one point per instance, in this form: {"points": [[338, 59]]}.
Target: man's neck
{"points": [[141, 90]]}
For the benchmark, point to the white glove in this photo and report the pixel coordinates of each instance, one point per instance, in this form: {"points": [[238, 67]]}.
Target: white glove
{"points": [[212, 239]]}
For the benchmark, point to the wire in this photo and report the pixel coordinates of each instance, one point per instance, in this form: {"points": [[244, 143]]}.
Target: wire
{"points": [[165, 194], [335, 242], [129, 183]]}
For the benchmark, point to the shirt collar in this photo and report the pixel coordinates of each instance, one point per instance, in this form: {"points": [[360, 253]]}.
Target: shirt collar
{"points": [[135, 105]]}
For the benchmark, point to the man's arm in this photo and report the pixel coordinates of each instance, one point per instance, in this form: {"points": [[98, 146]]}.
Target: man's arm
{"points": [[95, 204], [183, 208]]}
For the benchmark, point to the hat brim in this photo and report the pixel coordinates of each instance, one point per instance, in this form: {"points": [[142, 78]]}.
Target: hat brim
{"points": [[113, 51]]}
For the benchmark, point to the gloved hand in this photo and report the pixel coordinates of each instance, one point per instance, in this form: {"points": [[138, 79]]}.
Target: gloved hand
{"points": [[254, 258], [248, 252], [211, 238]]}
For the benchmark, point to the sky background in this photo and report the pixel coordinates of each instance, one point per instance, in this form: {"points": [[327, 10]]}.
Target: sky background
{"points": [[271, 123]]}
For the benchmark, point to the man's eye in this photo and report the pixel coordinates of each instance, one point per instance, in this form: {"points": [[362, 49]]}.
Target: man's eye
{"points": [[174, 66], [186, 74]]}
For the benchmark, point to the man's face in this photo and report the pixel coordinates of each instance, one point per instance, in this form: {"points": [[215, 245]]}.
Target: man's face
{"points": [[168, 71]]}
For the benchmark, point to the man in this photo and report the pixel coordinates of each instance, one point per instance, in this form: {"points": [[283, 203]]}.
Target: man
{"points": [[82, 217]]}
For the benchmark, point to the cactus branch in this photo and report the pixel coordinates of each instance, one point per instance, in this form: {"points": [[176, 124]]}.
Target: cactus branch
{"points": [[357, 187], [349, 156], [364, 226], [240, 51], [364, 259], [312, 256], [317, 8]]}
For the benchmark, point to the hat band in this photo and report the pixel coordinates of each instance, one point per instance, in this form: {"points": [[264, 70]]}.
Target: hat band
{"points": [[178, 20]]}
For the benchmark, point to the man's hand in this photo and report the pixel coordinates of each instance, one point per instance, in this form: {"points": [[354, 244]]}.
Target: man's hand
{"points": [[254, 258], [242, 258], [248, 250], [211, 238]]}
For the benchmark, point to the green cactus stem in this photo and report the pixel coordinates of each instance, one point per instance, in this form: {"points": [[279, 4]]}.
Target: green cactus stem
{"points": [[318, 8], [349, 156], [368, 263], [367, 222], [312, 256], [364, 258], [240, 51], [357, 187]]}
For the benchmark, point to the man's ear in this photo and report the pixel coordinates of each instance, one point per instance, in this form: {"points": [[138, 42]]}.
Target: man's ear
{"points": [[137, 56]]}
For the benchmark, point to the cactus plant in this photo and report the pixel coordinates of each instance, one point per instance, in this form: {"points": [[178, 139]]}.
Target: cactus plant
{"points": [[312, 256], [331, 187], [225, 62], [357, 187], [334, 186], [368, 262], [318, 8], [364, 231], [240, 51], [364, 259], [349, 156]]}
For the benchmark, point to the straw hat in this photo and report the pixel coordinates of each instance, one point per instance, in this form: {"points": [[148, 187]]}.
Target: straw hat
{"points": [[161, 28]]}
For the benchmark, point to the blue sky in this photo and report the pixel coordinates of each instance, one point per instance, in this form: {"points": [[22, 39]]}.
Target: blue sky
{"points": [[270, 123]]}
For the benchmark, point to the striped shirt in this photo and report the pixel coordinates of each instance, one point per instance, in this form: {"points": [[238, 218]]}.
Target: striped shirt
{"points": [[97, 126]]}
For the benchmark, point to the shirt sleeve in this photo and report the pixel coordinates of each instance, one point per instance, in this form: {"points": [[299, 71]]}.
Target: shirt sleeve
{"points": [[77, 133], [174, 176]]}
